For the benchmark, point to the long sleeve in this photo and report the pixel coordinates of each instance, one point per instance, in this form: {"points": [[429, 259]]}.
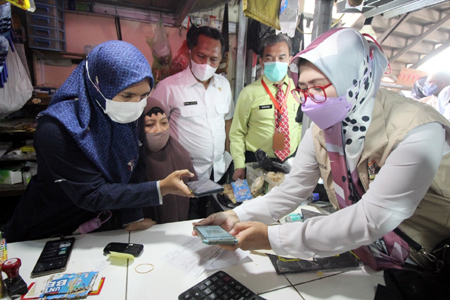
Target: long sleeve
{"points": [[62, 164], [443, 103], [391, 198]]}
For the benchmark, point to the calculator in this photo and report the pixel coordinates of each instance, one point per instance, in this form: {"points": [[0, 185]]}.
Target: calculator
{"points": [[219, 285]]}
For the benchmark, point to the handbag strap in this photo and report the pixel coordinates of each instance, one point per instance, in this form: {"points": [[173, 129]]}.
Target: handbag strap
{"points": [[414, 245]]}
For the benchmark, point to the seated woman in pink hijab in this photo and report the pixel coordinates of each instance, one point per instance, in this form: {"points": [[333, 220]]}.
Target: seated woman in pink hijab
{"points": [[164, 155]]}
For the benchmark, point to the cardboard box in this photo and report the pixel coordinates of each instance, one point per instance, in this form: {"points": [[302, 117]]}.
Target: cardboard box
{"points": [[11, 175]]}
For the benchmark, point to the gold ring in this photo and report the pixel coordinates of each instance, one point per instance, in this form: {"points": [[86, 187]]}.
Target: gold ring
{"points": [[144, 264]]}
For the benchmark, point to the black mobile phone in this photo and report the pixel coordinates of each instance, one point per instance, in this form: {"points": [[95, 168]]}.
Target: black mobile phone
{"points": [[215, 235], [204, 187], [127, 248], [54, 257]]}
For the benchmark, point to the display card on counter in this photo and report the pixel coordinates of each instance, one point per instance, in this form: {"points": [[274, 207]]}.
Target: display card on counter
{"points": [[241, 190], [66, 286]]}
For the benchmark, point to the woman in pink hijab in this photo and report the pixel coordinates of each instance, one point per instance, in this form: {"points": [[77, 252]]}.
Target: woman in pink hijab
{"points": [[164, 155], [384, 160]]}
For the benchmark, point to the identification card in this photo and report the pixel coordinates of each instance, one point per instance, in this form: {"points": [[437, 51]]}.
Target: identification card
{"points": [[278, 141]]}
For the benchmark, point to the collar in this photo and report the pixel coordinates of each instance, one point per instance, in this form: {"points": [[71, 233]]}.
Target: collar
{"points": [[271, 83]]}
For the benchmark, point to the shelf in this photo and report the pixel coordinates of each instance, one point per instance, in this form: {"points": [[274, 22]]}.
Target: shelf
{"points": [[12, 189], [18, 126], [23, 157]]}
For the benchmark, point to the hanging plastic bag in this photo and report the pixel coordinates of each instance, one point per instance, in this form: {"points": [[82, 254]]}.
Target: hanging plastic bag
{"points": [[181, 61], [162, 54], [17, 89]]}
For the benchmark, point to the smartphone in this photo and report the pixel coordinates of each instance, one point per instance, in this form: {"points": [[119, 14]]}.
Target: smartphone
{"points": [[127, 248], [204, 187], [54, 257], [215, 235]]}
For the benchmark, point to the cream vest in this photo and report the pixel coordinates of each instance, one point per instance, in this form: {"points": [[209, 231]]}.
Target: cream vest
{"points": [[393, 118]]}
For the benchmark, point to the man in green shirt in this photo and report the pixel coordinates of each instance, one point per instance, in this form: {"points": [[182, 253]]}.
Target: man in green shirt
{"points": [[265, 111]]}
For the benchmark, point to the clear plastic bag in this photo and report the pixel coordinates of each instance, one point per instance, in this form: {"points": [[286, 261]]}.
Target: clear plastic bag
{"points": [[17, 89], [162, 54]]}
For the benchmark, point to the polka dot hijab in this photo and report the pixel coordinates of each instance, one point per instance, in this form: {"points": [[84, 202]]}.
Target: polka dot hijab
{"points": [[355, 67]]}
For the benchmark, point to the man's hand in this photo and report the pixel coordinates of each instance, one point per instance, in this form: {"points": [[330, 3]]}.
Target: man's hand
{"points": [[173, 184], [226, 220], [251, 236], [141, 225], [239, 174]]}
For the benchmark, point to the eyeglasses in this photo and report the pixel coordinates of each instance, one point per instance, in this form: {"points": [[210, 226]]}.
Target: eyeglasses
{"points": [[301, 94]]}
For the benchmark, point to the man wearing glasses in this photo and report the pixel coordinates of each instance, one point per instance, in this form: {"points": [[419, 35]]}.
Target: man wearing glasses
{"points": [[266, 109]]}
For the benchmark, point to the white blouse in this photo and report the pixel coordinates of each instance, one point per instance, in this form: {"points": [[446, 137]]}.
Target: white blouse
{"points": [[391, 198]]}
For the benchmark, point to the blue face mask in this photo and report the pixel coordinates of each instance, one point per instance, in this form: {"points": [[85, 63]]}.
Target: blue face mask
{"points": [[275, 70], [429, 89]]}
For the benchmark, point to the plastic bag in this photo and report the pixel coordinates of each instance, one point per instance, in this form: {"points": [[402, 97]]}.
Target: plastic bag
{"points": [[181, 61], [162, 54], [17, 89]]}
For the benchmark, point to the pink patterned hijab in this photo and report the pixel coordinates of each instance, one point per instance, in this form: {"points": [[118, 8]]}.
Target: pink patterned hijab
{"points": [[355, 67]]}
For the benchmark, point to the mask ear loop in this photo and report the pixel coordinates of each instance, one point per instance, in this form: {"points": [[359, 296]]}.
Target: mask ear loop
{"points": [[381, 48], [104, 212]]}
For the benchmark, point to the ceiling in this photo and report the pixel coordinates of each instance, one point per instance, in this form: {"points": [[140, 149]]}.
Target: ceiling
{"points": [[173, 11], [410, 31], [409, 38]]}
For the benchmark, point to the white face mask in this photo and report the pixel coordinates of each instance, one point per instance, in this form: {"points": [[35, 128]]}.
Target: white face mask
{"points": [[124, 112], [120, 112], [202, 72]]}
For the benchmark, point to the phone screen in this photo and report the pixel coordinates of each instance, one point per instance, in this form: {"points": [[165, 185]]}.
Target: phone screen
{"points": [[204, 187], [54, 257], [215, 235]]}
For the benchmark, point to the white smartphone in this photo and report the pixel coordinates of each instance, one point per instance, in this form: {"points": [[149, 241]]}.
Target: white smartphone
{"points": [[215, 235]]}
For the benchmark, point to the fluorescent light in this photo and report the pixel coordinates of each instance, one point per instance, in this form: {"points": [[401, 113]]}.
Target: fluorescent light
{"points": [[399, 7], [368, 29], [133, 14]]}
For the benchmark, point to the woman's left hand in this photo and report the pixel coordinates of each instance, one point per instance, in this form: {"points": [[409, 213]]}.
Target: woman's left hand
{"points": [[250, 235], [141, 225]]}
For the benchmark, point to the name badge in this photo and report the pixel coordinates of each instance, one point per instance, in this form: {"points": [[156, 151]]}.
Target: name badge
{"points": [[267, 106], [190, 103]]}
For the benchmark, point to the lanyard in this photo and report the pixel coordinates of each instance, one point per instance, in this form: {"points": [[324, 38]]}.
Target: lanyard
{"points": [[275, 102]]}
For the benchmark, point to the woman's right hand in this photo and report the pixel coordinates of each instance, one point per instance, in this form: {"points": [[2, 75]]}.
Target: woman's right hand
{"points": [[226, 219], [174, 184]]}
